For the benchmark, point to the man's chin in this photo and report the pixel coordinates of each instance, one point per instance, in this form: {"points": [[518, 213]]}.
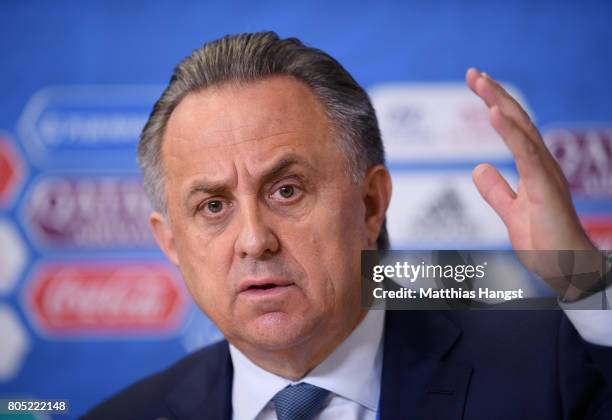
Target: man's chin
{"points": [[274, 331]]}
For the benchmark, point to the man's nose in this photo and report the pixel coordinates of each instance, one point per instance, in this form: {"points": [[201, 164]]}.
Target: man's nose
{"points": [[256, 238]]}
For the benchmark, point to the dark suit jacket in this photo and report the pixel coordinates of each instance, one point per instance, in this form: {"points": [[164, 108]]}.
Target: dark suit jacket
{"points": [[436, 365]]}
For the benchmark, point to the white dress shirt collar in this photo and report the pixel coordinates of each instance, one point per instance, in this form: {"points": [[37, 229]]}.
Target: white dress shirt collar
{"points": [[352, 371]]}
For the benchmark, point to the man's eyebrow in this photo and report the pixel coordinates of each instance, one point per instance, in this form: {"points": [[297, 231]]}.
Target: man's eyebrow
{"points": [[283, 164], [211, 188], [215, 188]]}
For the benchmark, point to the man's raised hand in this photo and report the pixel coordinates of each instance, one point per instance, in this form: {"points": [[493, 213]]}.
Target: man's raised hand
{"points": [[539, 215]]}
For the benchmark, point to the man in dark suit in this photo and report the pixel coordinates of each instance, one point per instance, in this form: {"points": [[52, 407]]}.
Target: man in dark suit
{"points": [[265, 165]]}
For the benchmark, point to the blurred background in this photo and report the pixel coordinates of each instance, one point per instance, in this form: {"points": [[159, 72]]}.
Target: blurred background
{"points": [[88, 304]]}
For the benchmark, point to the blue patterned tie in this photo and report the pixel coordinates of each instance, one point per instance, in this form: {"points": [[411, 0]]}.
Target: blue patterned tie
{"points": [[299, 402]]}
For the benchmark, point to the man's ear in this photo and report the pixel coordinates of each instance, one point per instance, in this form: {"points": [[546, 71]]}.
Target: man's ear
{"points": [[376, 197], [163, 236]]}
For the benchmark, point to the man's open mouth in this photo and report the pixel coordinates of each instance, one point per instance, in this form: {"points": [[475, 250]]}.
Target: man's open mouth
{"points": [[263, 286], [255, 286]]}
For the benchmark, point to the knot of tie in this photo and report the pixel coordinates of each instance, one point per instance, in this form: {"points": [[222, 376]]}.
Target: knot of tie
{"points": [[299, 402]]}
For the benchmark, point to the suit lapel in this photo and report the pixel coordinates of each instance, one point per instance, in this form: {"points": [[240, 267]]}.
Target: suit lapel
{"points": [[416, 381], [206, 392]]}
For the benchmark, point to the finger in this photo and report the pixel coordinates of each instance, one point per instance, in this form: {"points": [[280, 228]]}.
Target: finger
{"points": [[493, 93], [511, 108], [530, 159], [522, 147], [471, 76], [494, 189]]}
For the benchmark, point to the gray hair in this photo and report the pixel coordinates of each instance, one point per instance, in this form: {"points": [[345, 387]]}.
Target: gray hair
{"points": [[255, 56]]}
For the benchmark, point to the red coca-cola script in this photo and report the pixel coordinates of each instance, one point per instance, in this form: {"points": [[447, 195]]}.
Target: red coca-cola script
{"points": [[110, 297]]}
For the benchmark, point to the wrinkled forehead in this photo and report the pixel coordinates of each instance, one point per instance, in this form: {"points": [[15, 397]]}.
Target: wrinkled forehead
{"points": [[234, 113], [249, 122]]}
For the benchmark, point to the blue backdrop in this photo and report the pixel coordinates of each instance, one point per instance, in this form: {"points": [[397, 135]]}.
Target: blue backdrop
{"points": [[79, 318]]}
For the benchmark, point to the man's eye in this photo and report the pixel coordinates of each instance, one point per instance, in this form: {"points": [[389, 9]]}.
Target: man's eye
{"points": [[214, 206], [286, 193]]}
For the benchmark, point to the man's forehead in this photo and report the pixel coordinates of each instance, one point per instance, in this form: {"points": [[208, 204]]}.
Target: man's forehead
{"points": [[219, 132], [233, 114]]}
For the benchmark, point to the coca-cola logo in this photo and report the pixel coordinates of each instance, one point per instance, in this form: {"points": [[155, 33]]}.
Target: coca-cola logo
{"points": [[95, 298], [585, 155]]}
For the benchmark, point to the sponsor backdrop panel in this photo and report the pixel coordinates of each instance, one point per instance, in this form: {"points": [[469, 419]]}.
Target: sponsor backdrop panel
{"points": [[88, 304]]}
